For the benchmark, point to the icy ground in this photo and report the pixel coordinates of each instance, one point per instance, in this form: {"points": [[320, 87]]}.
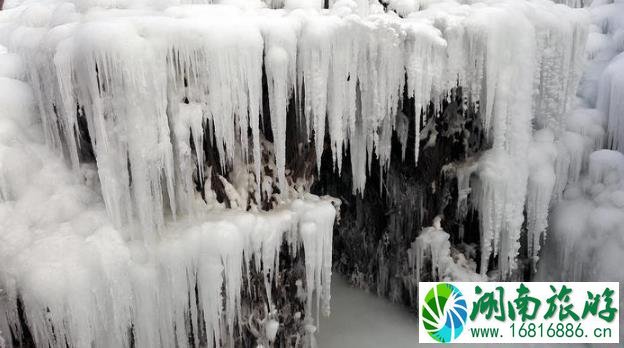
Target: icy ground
{"points": [[363, 320]]}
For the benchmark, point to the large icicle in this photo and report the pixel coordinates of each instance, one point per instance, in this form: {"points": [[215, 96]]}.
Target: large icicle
{"points": [[280, 56], [503, 172], [120, 81], [541, 182]]}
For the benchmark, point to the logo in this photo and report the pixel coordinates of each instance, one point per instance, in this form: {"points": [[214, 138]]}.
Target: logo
{"points": [[444, 312]]}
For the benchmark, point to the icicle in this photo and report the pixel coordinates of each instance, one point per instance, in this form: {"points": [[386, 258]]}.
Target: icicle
{"points": [[464, 173], [313, 72], [424, 61], [433, 244], [402, 132], [316, 228], [541, 182], [345, 46], [559, 61], [503, 171], [609, 102], [280, 63]]}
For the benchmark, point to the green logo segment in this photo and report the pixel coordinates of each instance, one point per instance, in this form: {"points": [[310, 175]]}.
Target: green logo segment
{"points": [[444, 312]]}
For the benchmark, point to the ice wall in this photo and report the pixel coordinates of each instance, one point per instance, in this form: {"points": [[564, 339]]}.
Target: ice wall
{"points": [[149, 81], [587, 224], [76, 279], [80, 282], [152, 88]]}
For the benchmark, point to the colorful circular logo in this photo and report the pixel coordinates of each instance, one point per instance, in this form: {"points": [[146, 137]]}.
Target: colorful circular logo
{"points": [[444, 312]]}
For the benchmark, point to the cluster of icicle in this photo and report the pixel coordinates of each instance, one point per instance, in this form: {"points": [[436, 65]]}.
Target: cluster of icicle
{"points": [[535, 87], [148, 80], [431, 251], [522, 83], [76, 268], [82, 283], [575, 3], [570, 172], [588, 220], [153, 81]]}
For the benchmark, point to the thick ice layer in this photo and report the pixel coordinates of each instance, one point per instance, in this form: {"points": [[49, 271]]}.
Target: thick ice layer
{"points": [[544, 82], [129, 71], [95, 286], [81, 282], [586, 241]]}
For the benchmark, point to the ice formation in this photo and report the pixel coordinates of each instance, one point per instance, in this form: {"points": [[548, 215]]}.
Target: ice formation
{"points": [[82, 281], [588, 218], [153, 88], [432, 247], [79, 282], [542, 157]]}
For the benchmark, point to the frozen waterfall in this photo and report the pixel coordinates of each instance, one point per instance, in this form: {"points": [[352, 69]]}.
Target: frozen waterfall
{"points": [[145, 179]]}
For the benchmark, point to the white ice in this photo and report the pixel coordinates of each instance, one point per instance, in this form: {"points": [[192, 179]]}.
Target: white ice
{"points": [[155, 80], [586, 240], [82, 281]]}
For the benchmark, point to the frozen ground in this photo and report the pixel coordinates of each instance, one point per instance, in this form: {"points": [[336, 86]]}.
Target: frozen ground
{"points": [[361, 319]]}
